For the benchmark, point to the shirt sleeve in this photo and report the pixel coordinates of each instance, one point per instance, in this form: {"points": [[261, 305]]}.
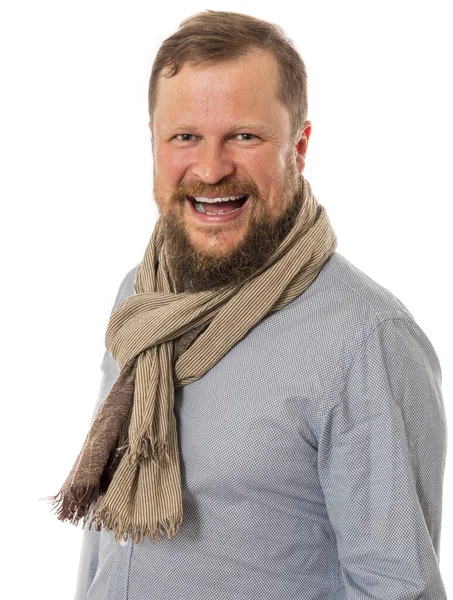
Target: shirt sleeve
{"points": [[89, 555], [381, 460]]}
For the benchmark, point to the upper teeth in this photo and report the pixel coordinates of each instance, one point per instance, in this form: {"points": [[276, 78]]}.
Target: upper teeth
{"points": [[212, 200]]}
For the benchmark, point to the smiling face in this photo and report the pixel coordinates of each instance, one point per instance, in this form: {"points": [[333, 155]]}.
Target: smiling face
{"points": [[226, 168]]}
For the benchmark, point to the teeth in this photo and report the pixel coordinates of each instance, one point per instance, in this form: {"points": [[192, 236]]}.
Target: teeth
{"points": [[213, 200]]}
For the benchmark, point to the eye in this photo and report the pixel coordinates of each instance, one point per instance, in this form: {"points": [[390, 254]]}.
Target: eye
{"points": [[247, 136], [184, 137]]}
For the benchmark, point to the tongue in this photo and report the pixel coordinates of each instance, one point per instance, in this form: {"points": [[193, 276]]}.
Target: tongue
{"points": [[219, 208]]}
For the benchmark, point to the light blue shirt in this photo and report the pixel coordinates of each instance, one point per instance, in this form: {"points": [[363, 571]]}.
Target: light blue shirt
{"points": [[312, 458]]}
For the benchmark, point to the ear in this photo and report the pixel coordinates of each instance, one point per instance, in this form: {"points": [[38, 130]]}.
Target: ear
{"points": [[302, 145]]}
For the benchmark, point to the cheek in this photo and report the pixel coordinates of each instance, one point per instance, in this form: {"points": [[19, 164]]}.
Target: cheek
{"points": [[265, 166], [283, 158], [257, 166], [171, 165]]}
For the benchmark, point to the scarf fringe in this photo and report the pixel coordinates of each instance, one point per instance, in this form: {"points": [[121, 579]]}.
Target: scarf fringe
{"points": [[123, 529], [75, 506], [68, 508]]}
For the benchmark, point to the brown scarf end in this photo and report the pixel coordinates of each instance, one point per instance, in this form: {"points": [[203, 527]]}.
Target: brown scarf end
{"points": [[124, 530], [75, 505]]}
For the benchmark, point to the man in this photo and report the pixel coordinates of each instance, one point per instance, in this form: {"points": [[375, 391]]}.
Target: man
{"points": [[268, 413]]}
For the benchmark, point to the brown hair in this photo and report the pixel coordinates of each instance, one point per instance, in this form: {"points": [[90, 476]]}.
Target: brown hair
{"points": [[217, 36]]}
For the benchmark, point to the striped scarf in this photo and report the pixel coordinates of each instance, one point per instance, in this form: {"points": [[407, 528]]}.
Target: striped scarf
{"points": [[127, 475]]}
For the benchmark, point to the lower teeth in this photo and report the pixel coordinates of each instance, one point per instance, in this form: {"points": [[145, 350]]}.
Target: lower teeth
{"points": [[200, 208]]}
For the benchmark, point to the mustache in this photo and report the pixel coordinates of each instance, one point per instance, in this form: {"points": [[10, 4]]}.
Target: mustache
{"points": [[245, 187]]}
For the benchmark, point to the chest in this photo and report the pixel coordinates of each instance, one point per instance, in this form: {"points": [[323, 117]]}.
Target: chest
{"points": [[247, 428]]}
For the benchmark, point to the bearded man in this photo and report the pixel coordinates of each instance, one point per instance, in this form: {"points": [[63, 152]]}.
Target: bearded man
{"points": [[269, 414]]}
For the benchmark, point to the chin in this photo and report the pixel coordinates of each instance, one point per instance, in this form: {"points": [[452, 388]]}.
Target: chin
{"points": [[219, 244]]}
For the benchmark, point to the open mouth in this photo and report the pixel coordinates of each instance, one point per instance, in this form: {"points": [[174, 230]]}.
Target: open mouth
{"points": [[218, 206]]}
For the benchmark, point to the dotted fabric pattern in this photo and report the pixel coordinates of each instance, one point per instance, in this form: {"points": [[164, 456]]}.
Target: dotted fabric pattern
{"points": [[312, 459]]}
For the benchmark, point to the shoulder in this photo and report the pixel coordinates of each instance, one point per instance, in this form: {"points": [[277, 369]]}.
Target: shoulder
{"points": [[363, 294], [342, 310], [344, 302], [373, 305]]}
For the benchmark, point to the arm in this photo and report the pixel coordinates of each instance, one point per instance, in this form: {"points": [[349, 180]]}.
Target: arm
{"points": [[89, 555], [381, 464]]}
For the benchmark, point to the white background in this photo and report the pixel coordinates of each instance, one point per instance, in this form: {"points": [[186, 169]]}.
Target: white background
{"points": [[77, 208]]}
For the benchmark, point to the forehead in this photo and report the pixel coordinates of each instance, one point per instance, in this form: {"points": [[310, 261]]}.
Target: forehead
{"points": [[243, 88]]}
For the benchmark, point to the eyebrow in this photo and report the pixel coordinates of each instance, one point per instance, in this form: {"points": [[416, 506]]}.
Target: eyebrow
{"points": [[236, 126], [250, 125]]}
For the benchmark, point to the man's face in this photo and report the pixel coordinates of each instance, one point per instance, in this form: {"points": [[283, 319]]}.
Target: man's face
{"points": [[219, 131]]}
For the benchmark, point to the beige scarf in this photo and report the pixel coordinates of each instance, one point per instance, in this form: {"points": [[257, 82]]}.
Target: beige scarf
{"points": [[127, 475]]}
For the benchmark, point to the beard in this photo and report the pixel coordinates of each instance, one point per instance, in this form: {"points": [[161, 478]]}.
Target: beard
{"points": [[193, 270]]}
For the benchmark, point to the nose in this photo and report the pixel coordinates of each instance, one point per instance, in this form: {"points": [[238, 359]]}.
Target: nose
{"points": [[212, 162]]}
